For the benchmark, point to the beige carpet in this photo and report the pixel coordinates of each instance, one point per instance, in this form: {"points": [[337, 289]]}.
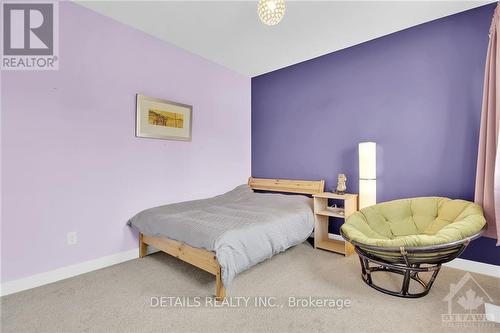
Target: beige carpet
{"points": [[117, 299]]}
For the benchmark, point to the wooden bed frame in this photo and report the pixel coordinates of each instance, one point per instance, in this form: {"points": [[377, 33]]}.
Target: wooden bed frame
{"points": [[205, 259]]}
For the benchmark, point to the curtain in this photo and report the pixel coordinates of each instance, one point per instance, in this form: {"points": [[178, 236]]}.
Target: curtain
{"points": [[488, 164]]}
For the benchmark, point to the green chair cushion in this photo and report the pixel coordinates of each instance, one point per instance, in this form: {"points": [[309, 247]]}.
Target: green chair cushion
{"points": [[415, 222]]}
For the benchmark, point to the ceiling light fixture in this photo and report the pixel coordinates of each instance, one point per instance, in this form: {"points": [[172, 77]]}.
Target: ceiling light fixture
{"points": [[271, 11]]}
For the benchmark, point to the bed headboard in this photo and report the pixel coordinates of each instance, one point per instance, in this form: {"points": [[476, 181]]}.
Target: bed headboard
{"points": [[287, 185]]}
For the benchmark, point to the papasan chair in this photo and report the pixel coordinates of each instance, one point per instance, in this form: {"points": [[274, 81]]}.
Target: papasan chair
{"points": [[411, 236]]}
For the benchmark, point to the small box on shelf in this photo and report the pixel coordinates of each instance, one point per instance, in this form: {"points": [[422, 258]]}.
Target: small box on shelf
{"points": [[336, 210]]}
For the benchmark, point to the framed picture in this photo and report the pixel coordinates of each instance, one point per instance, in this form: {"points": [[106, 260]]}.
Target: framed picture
{"points": [[162, 119]]}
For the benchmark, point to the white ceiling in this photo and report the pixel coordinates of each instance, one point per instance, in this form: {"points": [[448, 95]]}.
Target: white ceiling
{"points": [[230, 33]]}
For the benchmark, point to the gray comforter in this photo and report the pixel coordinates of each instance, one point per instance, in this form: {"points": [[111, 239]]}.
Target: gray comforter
{"points": [[242, 227]]}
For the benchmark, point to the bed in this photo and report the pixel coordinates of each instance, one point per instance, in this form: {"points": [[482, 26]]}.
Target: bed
{"points": [[230, 233]]}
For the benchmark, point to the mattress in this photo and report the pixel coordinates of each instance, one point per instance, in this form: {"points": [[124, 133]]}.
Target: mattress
{"points": [[241, 226]]}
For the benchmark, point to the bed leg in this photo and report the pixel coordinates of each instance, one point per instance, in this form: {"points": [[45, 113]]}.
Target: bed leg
{"points": [[143, 247], [220, 291]]}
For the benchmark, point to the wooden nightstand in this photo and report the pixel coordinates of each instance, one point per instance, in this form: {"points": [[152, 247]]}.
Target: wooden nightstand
{"points": [[322, 215]]}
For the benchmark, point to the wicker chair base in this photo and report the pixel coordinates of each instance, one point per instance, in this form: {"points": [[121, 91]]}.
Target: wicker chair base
{"points": [[409, 273]]}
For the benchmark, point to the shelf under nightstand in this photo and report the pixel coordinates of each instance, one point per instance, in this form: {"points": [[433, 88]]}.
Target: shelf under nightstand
{"points": [[322, 216]]}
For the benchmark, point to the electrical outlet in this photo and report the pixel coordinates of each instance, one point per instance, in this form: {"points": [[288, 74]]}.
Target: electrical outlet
{"points": [[71, 238]]}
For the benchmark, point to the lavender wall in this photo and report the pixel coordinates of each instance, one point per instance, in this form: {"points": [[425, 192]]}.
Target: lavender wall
{"points": [[70, 161], [417, 93]]}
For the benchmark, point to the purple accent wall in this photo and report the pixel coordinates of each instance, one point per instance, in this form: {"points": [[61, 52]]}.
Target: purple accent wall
{"points": [[70, 159], [417, 93]]}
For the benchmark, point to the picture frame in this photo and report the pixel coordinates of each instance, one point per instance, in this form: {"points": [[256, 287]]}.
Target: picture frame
{"points": [[163, 119]]}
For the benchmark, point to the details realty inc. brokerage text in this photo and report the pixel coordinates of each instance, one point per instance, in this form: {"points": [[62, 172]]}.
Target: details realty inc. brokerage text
{"points": [[250, 301]]}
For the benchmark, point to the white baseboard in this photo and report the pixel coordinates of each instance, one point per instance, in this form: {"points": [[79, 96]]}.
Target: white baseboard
{"points": [[492, 312], [459, 263], [40, 279], [474, 267]]}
